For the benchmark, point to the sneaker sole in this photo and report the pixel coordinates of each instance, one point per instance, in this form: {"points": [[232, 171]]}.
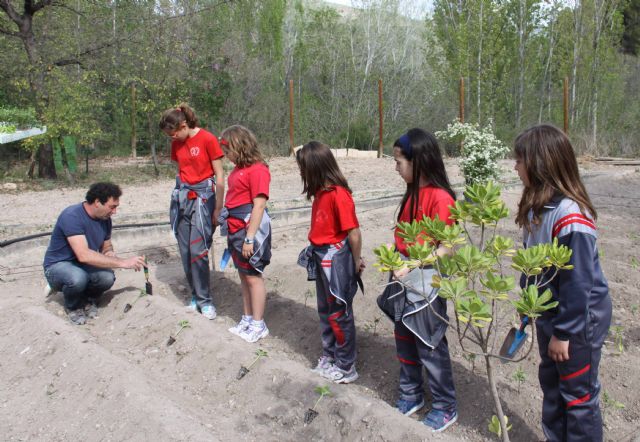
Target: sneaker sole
{"points": [[210, 317], [347, 380], [414, 409], [445, 426]]}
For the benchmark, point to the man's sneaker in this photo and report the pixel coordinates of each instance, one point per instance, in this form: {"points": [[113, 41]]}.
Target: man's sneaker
{"points": [[77, 316], [193, 305], [340, 376], [409, 407], [253, 334], [48, 291], [440, 420], [91, 309], [324, 364], [240, 326], [209, 312]]}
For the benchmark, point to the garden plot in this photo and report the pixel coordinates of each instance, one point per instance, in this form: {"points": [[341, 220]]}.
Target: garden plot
{"points": [[117, 379]]}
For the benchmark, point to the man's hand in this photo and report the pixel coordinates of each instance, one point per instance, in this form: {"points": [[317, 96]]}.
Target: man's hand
{"points": [[247, 250], [216, 215], [135, 262], [558, 350], [360, 265], [398, 274]]}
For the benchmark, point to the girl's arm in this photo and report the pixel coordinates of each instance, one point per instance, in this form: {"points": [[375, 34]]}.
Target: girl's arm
{"points": [[219, 171], [259, 203], [355, 242]]}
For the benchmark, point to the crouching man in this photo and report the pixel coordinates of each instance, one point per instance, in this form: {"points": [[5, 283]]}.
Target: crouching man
{"points": [[80, 256]]}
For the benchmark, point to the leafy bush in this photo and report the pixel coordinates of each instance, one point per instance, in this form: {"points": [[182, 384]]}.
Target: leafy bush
{"points": [[17, 118], [480, 152]]}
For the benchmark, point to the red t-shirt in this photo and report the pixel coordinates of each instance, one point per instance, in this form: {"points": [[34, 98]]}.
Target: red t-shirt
{"points": [[333, 214], [194, 156], [432, 201], [244, 184]]}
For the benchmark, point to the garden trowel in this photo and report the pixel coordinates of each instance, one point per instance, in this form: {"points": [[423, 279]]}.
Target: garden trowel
{"points": [[514, 340], [147, 285]]}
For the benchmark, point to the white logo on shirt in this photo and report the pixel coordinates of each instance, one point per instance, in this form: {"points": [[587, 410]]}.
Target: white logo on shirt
{"points": [[194, 151]]}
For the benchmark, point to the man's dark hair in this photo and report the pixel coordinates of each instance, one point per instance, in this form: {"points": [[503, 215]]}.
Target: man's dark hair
{"points": [[102, 192]]}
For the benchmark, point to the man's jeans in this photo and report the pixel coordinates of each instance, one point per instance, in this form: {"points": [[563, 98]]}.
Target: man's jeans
{"points": [[78, 282]]}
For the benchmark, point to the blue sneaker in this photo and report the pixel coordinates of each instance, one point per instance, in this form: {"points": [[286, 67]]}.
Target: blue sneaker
{"points": [[409, 407], [193, 305], [440, 420]]}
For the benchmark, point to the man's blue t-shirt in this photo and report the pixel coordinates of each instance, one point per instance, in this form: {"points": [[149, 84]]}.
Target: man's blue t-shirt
{"points": [[74, 220]]}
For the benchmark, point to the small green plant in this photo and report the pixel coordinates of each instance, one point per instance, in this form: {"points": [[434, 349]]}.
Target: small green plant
{"points": [[634, 309], [308, 294], [600, 253], [244, 370], [494, 425], [181, 326], [520, 377], [609, 403], [373, 325], [471, 357], [311, 413], [618, 336], [635, 263]]}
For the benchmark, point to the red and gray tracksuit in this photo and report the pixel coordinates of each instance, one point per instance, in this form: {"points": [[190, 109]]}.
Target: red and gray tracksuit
{"points": [[190, 214], [570, 407], [262, 240], [336, 285], [420, 338]]}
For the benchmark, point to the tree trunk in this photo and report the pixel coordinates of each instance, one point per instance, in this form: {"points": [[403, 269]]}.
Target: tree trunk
{"points": [[46, 166], [496, 399]]}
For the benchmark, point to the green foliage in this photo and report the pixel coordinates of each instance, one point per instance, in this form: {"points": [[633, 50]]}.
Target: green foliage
{"points": [[322, 391], [609, 402], [12, 118], [494, 425], [618, 337], [519, 376]]}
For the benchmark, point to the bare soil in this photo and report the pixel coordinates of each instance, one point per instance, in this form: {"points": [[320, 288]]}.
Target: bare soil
{"points": [[116, 379]]}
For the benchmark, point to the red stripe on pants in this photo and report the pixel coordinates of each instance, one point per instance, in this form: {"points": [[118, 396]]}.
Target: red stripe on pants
{"points": [[337, 331]]}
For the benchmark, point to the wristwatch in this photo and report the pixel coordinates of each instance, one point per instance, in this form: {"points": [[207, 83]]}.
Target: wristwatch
{"points": [[248, 240]]}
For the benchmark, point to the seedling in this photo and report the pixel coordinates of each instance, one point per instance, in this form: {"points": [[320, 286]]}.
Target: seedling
{"points": [[618, 336], [635, 263], [311, 413], [182, 325], [634, 309], [610, 403], [373, 325], [494, 425], [244, 370], [308, 294], [471, 357], [128, 306], [519, 376]]}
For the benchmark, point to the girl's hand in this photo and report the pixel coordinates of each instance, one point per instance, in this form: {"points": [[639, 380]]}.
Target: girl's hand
{"points": [[401, 273], [361, 265], [558, 350], [216, 214], [247, 250]]}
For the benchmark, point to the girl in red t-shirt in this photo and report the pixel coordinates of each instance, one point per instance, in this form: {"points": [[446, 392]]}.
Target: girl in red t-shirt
{"points": [[333, 259], [196, 201], [419, 163], [249, 226]]}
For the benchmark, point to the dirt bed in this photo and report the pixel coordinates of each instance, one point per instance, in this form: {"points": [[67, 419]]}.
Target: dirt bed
{"points": [[116, 379]]}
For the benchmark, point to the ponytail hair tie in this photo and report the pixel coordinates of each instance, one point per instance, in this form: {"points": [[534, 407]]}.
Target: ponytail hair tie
{"points": [[179, 109], [405, 146], [224, 142]]}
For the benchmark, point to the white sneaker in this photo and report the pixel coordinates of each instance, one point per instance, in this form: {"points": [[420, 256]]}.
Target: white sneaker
{"points": [[340, 376], [252, 334], [240, 326], [324, 363], [48, 291], [209, 312], [193, 305]]}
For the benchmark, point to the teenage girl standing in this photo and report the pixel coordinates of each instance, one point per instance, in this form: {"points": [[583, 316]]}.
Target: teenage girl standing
{"points": [[333, 259], [419, 334], [555, 205], [196, 200], [248, 225]]}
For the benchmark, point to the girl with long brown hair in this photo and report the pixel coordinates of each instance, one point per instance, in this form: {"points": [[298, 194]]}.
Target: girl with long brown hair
{"points": [[555, 206]]}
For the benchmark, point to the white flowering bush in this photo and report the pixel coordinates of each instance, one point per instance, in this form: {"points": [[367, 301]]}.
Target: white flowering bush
{"points": [[481, 151]]}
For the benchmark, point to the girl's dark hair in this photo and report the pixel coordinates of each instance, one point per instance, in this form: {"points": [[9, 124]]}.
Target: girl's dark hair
{"points": [[552, 170], [102, 192], [242, 142], [318, 168], [172, 118], [421, 147]]}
